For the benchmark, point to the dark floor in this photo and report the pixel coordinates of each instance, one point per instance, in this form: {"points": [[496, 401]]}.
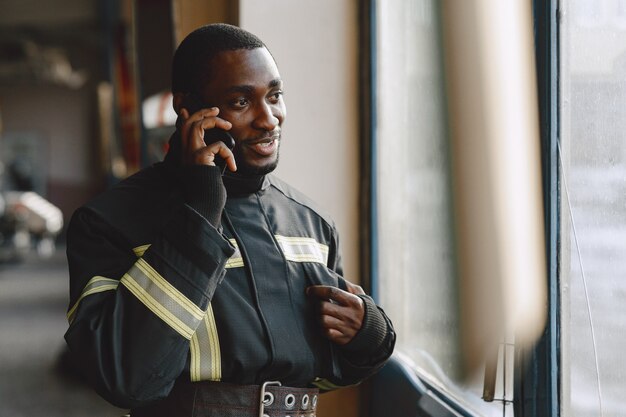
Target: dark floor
{"points": [[33, 301]]}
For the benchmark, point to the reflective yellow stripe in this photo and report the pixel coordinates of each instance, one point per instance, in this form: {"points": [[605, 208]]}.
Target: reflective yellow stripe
{"points": [[303, 249], [169, 289], [236, 260], [94, 285], [194, 366], [234, 263], [305, 258], [156, 307], [214, 343], [206, 359], [140, 250], [325, 384], [162, 298]]}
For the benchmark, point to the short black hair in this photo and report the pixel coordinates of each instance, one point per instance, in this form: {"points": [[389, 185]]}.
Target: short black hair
{"points": [[192, 60]]}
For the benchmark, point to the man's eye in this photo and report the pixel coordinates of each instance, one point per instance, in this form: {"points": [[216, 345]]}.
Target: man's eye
{"points": [[276, 96], [240, 102]]}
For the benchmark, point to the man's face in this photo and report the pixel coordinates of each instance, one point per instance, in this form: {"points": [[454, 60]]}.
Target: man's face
{"points": [[246, 86]]}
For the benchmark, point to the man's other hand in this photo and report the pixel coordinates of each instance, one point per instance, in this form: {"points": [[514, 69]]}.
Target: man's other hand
{"points": [[341, 312]]}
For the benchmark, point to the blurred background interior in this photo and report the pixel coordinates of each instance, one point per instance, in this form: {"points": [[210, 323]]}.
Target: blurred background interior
{"points": [[84, 102], [478, 180]]}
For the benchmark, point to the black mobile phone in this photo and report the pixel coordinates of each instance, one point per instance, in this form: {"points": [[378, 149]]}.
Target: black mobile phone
{"points": [[193, 104]]}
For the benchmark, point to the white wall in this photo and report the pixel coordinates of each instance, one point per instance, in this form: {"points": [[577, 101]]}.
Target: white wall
{"points": [[316, 47]]}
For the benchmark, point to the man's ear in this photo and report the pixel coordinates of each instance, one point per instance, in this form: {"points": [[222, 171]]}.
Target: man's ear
{"points": [[177, 102]]}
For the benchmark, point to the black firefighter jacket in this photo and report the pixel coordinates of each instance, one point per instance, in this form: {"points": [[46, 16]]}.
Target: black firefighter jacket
{"points": [[157, 294]]}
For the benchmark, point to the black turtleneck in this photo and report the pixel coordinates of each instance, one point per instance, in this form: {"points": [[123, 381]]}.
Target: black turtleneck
{"points": [[241, 185]]}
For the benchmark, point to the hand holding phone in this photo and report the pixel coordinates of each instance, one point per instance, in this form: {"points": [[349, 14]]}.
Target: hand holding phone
{"points": [[204, 136], [219, 135]]}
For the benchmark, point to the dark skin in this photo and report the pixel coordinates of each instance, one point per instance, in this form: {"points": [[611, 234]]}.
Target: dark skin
{"points": [[246, 94]]}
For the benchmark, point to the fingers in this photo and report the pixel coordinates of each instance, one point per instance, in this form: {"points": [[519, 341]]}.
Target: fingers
{"points": [[194, 148], [341, 313], [328, 292], [227, 155], [340, 323], [207, 155], [347, 316], [336, 330], [354, 289]]}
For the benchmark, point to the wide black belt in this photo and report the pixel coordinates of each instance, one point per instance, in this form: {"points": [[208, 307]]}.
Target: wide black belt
{"points": [[220, 399]]}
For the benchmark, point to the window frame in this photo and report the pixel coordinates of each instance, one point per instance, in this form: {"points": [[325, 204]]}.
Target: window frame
{"points": [[368, 219], [537, 370], [537, 385]]}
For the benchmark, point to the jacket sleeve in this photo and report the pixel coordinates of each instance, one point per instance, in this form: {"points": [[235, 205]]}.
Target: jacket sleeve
{"points": [[372, 346], [132, 310]]}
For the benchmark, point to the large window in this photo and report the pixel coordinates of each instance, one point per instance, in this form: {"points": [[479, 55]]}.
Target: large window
{"points": [[418, 281], [593, 206], [416, 207]]}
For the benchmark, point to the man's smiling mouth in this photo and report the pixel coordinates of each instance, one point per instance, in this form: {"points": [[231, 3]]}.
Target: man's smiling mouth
{"points": [[265, 145], [265, 139]]}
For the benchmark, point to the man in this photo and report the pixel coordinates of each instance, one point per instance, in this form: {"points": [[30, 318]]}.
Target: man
{"points": [[197, 293]]}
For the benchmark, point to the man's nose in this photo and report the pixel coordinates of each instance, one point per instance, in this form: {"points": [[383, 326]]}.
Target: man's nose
{"points": [[268, 118]]}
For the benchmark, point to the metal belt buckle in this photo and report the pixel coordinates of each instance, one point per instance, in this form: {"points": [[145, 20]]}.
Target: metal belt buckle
{"points": [[263, 402]]}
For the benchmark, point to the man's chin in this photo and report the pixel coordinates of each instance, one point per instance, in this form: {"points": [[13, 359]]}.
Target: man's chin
{"points": [[243, 168]]}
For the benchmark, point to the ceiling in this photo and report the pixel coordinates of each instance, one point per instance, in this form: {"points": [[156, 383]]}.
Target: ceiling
{"points": [[37, 37], [47, 13]]}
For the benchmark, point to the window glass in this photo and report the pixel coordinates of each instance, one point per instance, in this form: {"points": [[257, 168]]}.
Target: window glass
{"points": [[593, 208], [416, 260], [414, 206]]}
